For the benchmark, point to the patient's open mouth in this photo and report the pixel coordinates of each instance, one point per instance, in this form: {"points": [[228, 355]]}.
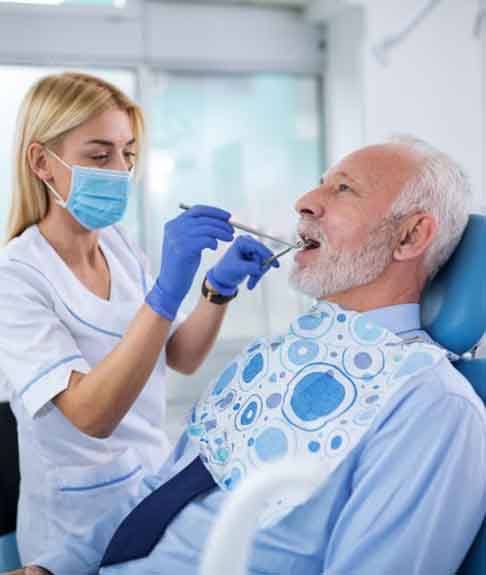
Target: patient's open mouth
{"points": [[309, 243]]}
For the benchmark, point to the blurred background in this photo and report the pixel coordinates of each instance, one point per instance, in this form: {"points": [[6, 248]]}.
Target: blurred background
{"points": [[248, 102]]}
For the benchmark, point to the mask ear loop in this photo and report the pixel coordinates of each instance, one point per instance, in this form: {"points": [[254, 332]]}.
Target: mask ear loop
{"points": [[58, 199]]}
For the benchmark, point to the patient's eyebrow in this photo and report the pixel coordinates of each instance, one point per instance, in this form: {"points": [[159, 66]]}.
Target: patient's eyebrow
{"points": [[340, 173], [347, 177]]}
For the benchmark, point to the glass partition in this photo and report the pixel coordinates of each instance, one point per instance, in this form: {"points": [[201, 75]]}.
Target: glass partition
{"points": [[249, 144]]}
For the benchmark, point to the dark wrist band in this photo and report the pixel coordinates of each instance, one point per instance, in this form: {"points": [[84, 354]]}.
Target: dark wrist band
{"points": [[213, 296]]}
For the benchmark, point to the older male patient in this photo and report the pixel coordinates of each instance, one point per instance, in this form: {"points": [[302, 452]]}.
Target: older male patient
{"points": [[410, 496]]}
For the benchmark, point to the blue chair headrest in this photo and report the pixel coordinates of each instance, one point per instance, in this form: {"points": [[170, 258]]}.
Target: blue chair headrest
{"points": [[453, 305]]}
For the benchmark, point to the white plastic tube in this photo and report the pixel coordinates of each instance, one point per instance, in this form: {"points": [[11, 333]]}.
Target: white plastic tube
{"points": [[229, 542]]}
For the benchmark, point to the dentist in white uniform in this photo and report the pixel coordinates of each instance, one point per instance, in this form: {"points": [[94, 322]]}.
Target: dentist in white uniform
{"points": [[85, 332]]}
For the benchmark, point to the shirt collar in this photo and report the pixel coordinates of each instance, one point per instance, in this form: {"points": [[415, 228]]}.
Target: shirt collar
{"points": [[399, 319]]}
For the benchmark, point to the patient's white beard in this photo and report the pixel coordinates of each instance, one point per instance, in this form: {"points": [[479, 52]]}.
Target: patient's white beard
{"points": [[335, 272]]}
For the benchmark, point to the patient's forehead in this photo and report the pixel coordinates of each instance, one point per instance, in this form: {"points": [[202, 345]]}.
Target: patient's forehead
{"points": [[380, 170]]}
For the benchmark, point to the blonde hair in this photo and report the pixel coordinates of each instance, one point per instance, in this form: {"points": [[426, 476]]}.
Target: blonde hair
{"points": [[54, 106]]}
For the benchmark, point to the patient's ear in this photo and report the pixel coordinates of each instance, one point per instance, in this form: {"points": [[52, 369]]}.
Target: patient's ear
{"points": [[416, 235]]}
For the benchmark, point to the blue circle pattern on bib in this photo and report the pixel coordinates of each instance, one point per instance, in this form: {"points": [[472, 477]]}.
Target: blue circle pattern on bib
{"points": [[316, 323], [301, 352], [256, 367], [312, 391], [363, 363], [317, 394], [225, 378], [365, 332], [271, 444], [249, 413]]}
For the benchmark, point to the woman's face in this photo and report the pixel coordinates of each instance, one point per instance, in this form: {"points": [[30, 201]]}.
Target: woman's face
{"points": [[105, 141]]}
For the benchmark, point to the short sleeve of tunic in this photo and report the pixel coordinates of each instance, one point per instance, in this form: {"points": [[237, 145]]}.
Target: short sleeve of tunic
{"points": [[37, 351]]}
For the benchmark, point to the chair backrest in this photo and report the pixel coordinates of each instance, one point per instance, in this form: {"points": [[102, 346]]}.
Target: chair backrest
{"points": [[9, 470], [9, 555], [454, 305], [454, 314], [9, 489], [475, 561]]}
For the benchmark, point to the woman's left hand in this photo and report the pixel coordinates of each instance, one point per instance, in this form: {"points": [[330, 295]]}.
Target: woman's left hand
{"points": [[244, 258]]}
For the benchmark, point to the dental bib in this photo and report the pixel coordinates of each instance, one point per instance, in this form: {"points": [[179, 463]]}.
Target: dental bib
{"points": [[311, 395]]}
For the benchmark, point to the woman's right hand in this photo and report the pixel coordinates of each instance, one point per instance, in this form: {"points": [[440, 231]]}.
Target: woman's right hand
{"points": [[185, 237]]}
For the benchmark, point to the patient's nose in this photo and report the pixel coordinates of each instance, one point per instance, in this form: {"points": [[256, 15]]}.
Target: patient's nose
{"points": [[310, 204]]}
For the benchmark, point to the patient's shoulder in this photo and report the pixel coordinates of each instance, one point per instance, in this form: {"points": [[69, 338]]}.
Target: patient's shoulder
{"points": [[441, 385], [451, 382]]}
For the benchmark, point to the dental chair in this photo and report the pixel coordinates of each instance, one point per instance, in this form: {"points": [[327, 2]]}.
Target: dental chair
{"points": [[9, 489], [454, 313]]}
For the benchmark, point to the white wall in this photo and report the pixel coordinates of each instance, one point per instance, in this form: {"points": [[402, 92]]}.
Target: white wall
{"points": [[343, 84], [431, 87]]}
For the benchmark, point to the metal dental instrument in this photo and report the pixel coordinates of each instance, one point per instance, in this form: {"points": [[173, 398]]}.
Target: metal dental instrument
{"points": [[282, 253], [297, 246], [256, 232]]}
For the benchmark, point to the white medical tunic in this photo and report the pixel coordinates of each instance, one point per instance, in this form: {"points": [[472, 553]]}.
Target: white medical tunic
{"points": [[51, 325]]}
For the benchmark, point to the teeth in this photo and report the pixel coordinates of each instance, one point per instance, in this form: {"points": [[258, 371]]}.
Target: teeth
{"points": [[308, 242]]}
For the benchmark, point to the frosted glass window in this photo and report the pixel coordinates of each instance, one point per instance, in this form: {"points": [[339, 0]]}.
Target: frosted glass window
{"points": [[246, 143], [19, 79]]}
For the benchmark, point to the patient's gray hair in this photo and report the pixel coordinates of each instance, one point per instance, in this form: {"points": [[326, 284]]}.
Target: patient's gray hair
{"points": [[442, 189]]}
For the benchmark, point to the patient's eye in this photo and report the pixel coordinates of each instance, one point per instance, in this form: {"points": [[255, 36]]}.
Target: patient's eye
{"points": [[344, 188]]}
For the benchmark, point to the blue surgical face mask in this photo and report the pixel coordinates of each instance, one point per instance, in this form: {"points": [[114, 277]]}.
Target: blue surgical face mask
{"points": [[98, 197]]}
